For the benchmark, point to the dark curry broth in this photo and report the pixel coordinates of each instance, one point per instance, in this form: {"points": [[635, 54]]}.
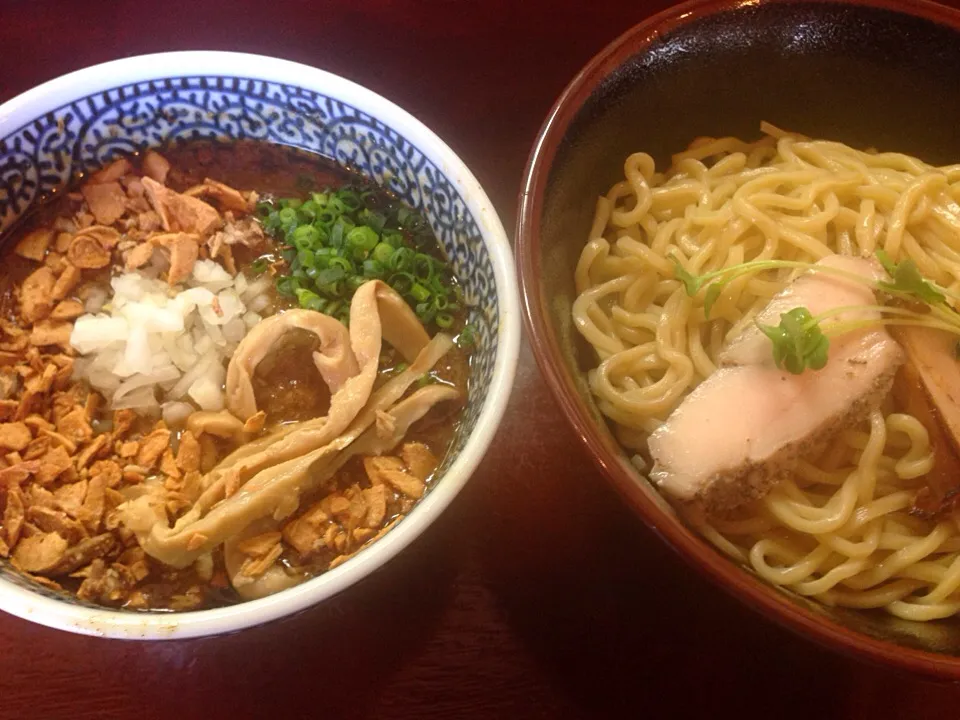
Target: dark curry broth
{"points": [[286, 383]]}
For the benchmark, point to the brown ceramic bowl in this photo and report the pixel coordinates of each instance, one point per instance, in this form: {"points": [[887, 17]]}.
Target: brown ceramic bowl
{"points": [[882, 73]]}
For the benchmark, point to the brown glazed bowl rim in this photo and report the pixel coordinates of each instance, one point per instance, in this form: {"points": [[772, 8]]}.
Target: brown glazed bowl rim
{"points": [[755, 592]]}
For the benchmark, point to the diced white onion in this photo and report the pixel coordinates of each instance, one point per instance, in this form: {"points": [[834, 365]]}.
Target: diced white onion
{"points": [[258, 303], [207, 394], [142, 399], [175, 413], [92, 332], [204, 365], [129, 286], [230, 305], [256, 288], [214, 333], [137, 358], [149, 342], [240, 283], [235, 330], [211, 275], [144, 381]]}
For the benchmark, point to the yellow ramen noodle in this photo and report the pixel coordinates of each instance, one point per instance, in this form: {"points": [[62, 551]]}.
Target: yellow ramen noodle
{"points": [[840, 529]]}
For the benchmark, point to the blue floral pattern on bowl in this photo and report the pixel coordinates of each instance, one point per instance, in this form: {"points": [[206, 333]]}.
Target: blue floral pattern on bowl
{"points": [[42, 157]]}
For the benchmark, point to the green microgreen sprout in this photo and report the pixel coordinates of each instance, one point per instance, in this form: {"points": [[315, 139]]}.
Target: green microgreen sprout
{"points": [[908, 280], [799, 342]]}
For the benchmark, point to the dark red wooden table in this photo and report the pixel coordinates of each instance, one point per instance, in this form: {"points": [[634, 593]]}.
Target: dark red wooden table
{"points": [[537, 594]]}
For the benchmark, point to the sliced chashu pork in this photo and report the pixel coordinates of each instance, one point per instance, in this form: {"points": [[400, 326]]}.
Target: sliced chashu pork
{"points": [[745, 427], [928, 387]]}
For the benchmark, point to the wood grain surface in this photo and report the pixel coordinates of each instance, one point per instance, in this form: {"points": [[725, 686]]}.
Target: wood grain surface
{"points": [[537, 595]]}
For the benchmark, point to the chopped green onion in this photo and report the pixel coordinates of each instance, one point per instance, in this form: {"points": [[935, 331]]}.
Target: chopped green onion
{"points": [[338, 239], [342, 262], [419, 293], [402, 260], [372, 219], [382, 253], [401, 282], [305, 237], [287, 286], [372, 269], [349, 200], [323, 255], [304, 295], [361, 240], [336, 233], [467, 336], [331, 275], [308, 210], [425, 312], [325, 218], [422, 266], [393, 238]]}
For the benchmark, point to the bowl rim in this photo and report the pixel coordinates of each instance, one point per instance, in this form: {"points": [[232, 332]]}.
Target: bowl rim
{"points": [[694, 550], [33, 103]]}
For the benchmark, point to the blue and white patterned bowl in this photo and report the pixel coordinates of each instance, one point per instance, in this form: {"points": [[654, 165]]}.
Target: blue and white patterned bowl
{"points": [[82, 120]]}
